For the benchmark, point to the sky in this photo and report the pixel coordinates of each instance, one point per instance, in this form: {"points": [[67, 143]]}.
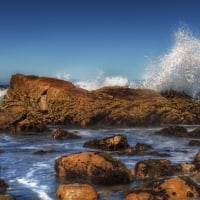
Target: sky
{"points": [[83, 37]]}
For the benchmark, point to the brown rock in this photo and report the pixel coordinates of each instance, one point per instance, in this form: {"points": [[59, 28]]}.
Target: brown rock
{"points": [[113, 143], [6, 197], [32, 100], [197, 158], [177, 131], [184, 168], [153, 168], [194, 143], [61, 134], [142, 196], [92, 167], [177, 188], [76, 192]]}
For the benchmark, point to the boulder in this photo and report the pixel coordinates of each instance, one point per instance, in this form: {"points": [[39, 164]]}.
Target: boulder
{"points": [[6, 197], [42, 152], [61, 134], [194, 143], [197, 158], [184, 168], [195, 133], [76, 192], [113, 143], [176, 188], [3, 186], [153, 168], [177, 131], [92, 167]]}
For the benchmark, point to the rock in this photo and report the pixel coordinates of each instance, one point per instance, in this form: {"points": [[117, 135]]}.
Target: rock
{"points": [[177, 131], [33, 99], [197, 158], [195, 133], [184, 168], [143, 147], [194, 143], [42, 152], [113, 143], [6, 197], [3, 186], [76, 192], [153, 168], [2, 151], [176, 188], [60, 134], [92, 167]]}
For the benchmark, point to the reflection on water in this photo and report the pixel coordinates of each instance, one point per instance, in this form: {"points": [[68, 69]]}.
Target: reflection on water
{"points": [[32, 176]]}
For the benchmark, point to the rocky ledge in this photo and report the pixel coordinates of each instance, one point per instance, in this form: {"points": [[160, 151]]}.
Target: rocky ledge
{"points": [[33, 102]]}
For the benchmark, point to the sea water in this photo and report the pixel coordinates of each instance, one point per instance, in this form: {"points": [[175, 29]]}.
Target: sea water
{"points": [[32, 176]]}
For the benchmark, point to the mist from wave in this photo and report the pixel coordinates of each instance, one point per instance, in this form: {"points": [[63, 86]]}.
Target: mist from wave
{"points": [[178, 69]]}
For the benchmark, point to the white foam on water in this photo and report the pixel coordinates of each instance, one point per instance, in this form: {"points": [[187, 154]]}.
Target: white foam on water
{"points": [[33, 184], [179, 69], [3, 93]]}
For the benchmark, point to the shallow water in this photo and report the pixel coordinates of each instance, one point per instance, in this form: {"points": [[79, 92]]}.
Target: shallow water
{"points": [[32, 177]]}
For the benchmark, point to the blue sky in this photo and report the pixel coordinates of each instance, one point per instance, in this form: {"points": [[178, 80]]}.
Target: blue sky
{"points": [[82, 37]]}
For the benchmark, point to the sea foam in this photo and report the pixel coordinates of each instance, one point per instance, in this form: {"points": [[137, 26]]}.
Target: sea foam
{"points": [[2, 93], [179, 69]]}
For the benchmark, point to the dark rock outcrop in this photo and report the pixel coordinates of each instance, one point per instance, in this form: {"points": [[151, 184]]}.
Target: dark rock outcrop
{"points": [[92, 167], [76, 192], [177, 188], [3, 186], [113, 143], [194, 143], [60, 134], [42, 152], [32, 100], [153, 168], [177, 131]]}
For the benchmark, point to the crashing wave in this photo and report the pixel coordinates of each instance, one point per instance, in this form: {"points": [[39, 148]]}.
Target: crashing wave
{"points": [[179, 69]]}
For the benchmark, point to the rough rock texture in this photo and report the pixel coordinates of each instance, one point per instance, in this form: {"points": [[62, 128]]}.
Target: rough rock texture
{"points": [[61, 134], [178, 188], [6, 197], [177, 131], [113, 143], [153, 168], [32, 100], [92, 167], [76, 192], [194, 143]]}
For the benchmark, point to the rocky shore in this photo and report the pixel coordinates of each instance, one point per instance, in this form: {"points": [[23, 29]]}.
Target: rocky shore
{"points": [[33, 102]]}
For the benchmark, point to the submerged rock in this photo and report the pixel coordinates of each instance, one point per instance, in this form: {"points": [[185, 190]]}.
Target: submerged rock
{"points": [[3, 186], [176, 188], [92, 167], [76, 192], [194, 143], [177, 131], [153, 168], [61, 134], [42, 152], [113, 143]]}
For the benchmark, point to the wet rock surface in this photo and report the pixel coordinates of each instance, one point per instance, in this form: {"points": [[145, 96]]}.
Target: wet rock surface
{"points": [[92, 167], [60, 134], [113, 143], [177, 188], [76, 192]]}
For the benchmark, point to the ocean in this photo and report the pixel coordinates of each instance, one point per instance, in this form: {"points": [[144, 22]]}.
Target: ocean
{"points": [[31, 176]]}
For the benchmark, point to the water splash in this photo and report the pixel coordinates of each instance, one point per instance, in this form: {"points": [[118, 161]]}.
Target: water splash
{"points": [[2, 93], [179, 69], [101, 81]]}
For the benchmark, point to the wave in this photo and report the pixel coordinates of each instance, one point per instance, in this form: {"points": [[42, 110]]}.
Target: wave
{"points": [[179, 69], [2, 93]]}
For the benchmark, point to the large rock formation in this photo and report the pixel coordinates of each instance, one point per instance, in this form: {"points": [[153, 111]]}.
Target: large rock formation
{"points": [[35, 101]]}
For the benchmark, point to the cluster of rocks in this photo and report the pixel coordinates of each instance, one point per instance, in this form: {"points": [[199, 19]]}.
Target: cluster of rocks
{"points": [[163, 179]]}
